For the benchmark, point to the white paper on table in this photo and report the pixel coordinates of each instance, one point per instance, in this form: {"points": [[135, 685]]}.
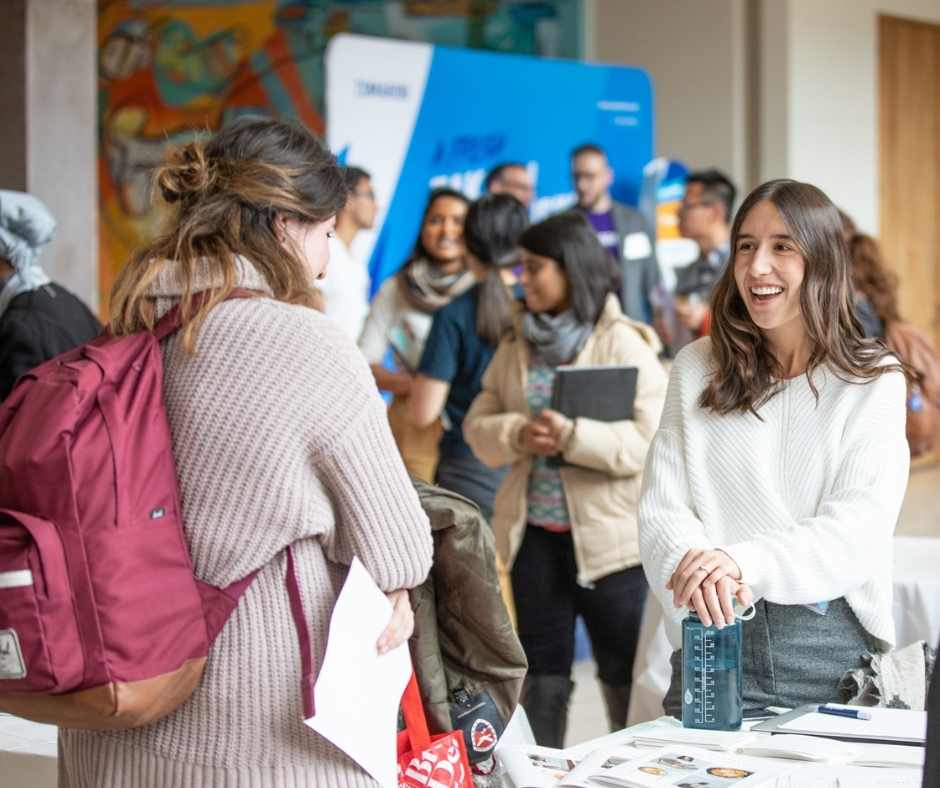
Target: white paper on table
{"points": [[518, 731], [358, 691], [885, 724]]}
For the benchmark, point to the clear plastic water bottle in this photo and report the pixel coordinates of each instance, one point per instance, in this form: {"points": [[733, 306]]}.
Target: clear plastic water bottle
{"points": [[712, 681]]}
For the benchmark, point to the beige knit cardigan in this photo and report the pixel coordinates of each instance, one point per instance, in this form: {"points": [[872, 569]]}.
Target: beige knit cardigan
{"points": [[280, 438]]}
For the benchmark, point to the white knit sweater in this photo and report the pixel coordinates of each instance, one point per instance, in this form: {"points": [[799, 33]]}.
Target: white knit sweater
{"points": [[804, 500]]}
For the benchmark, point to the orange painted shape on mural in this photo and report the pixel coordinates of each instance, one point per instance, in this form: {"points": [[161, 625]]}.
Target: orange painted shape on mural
{"points": [[286, 68]]}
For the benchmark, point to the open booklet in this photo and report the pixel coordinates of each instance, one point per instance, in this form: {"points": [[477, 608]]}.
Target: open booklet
{"points": [[531, 766], [683, 767], [627, 766]]}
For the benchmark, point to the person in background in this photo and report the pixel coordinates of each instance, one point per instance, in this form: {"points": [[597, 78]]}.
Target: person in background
{"points": [[705, 217], [568, 533], [780, 464], [38, 318], [620, 229], [281, 439], [401, 314], [511, 178], [345, 288], [875, 289], [464, 334]]}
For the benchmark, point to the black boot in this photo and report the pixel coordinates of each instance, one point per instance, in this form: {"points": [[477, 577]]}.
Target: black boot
{"points": [[617, 701], [545, 699]]}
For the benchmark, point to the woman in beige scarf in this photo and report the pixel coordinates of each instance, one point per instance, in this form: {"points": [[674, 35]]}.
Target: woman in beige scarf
{"points": [[401, 315]]}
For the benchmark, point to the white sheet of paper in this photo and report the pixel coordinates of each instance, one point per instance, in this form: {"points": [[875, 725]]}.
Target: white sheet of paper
{"points": [[358, 692], [885, 724]]}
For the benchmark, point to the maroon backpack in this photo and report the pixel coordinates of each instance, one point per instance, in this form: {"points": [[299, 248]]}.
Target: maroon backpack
{"points": [[102, 622]]}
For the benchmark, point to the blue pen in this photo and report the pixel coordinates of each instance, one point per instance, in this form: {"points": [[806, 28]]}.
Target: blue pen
{"points": [[855, 714]]}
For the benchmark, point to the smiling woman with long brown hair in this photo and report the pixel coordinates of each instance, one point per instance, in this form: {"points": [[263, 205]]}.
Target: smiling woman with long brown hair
{"points": [[780, 463], [401, 316]]}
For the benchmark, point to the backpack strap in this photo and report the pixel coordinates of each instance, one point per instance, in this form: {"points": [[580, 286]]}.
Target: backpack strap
{"points": [[307, 679], [218, 604], [169, 323]]}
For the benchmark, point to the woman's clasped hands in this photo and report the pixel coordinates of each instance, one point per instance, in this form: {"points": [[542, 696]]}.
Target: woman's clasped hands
{"points": [[546, 434], [709, 581]]}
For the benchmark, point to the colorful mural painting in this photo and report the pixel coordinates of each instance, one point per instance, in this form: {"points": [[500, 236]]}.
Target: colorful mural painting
{"points": [[174, 68]]}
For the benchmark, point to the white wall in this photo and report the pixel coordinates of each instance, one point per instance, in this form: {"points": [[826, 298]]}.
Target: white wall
{"points": [[698, 57], [762, 88], [830, 80], [61, 150]]}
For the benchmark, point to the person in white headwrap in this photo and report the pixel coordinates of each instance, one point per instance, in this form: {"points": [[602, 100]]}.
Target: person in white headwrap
{"points": [[38, 318]]}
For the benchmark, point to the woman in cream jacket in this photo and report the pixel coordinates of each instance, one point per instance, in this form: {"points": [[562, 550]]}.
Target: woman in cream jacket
{"points": [[569, 533]]}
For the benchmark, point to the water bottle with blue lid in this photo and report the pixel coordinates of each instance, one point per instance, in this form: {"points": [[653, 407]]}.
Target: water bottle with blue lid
{"points": [[712, 678]]}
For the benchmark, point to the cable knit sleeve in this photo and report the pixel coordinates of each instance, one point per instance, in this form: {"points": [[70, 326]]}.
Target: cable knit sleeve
{"points": [[668, 523], [799, 561], [378, 515]]}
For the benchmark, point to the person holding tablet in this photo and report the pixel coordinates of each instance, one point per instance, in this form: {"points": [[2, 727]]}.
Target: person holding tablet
{"points": [[568, 533]]}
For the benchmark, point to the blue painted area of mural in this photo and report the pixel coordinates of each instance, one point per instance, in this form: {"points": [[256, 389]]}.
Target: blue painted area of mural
{"points": [[479, 109], [187, 67]]}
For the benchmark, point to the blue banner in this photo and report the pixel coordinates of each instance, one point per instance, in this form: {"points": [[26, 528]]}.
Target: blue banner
{"points": [[419, 116]]}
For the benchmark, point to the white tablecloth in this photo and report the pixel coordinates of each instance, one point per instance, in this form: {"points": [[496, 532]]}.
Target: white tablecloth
{"points": [[916, 590], [916, 617]]}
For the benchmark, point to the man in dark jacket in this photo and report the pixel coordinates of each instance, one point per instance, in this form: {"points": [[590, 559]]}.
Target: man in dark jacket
{"points": [[619, 228], [38, 318]]}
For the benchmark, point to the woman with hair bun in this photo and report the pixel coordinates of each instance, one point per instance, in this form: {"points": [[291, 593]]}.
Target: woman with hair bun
{"points": [[780, 463], [280, 439]]}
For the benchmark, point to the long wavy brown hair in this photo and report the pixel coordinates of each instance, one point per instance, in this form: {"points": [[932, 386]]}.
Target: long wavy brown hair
{"points": [[227, 194], [747, 372]]}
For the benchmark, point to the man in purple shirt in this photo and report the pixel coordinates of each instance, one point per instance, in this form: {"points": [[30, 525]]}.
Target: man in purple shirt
{"points": [[620, 229]]}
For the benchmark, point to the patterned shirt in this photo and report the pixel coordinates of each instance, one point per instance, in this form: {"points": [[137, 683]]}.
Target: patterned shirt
{"points": [[547, 507]]}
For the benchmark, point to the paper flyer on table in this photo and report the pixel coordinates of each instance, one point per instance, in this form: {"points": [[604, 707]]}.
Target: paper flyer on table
{"points": [[358, 691]]}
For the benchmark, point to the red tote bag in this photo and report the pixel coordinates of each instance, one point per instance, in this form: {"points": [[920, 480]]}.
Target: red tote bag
{"points": [[426, 761]]}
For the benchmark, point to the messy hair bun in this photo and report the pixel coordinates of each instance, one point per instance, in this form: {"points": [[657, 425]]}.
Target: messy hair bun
{"points": [[187, 173], [230, 191]]}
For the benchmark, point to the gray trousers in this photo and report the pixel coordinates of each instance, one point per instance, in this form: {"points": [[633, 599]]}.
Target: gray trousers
{"points": [[791, 656]]}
